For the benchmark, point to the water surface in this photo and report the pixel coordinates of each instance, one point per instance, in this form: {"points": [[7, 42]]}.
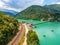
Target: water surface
{"points": [[48, 32]]}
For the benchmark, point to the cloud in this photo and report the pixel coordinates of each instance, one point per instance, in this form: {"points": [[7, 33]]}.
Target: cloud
{"points": [[18, 5], [56, 3], [6, 0], [9, 8], [1, 3], [5, 6]]}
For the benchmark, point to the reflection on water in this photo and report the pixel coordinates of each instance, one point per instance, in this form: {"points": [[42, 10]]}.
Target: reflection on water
{"points": [[48, 32]]}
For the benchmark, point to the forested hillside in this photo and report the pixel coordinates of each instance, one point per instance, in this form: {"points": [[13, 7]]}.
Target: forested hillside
{"points": [[8, 28], [36, 12], [53, 6]]}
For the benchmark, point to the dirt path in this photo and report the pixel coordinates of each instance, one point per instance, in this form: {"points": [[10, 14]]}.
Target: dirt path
{"points": [[25, 43], [27, 28], [18, 37]]}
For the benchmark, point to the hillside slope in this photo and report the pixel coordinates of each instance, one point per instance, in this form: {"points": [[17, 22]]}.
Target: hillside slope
{"points": [[53, 6], [36, 12], [8, 28]]}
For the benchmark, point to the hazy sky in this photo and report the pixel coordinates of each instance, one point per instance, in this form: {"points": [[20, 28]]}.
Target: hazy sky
{"points": [[18, 5]]}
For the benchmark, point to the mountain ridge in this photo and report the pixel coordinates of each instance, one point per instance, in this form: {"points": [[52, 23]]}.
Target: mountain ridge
{"points": [[36, 12], [9, 12], [53, 6]]}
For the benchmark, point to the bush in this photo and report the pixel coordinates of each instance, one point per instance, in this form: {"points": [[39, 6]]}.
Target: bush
{"points": [[32, 38]]}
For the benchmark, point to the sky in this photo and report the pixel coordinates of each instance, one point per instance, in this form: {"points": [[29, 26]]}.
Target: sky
{"points": [[19, 5]]}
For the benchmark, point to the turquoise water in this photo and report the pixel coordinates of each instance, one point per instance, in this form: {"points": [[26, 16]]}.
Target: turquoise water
{"points": [[48, 32]]}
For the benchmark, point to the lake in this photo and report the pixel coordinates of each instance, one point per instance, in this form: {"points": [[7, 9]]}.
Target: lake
{"points": [[48, 32]]}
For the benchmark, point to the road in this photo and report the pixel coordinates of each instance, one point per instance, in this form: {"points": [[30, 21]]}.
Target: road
{"points": [[18, 36]]}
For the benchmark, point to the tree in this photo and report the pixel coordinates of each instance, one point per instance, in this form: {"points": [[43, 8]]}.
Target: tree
{"points": [[32, 38], [8, 28]]}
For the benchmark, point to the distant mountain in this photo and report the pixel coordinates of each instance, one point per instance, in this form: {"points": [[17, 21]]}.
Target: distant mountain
{"points": [[10, 12], [53, 6], [36, 12]]}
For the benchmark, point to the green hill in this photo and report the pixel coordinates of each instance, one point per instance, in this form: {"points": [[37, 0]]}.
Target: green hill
{"points": [[36, 12], [53, 6], [8, 28]]}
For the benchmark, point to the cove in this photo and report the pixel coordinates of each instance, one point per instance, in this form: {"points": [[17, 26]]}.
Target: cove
{"points": [[48, 32]]}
